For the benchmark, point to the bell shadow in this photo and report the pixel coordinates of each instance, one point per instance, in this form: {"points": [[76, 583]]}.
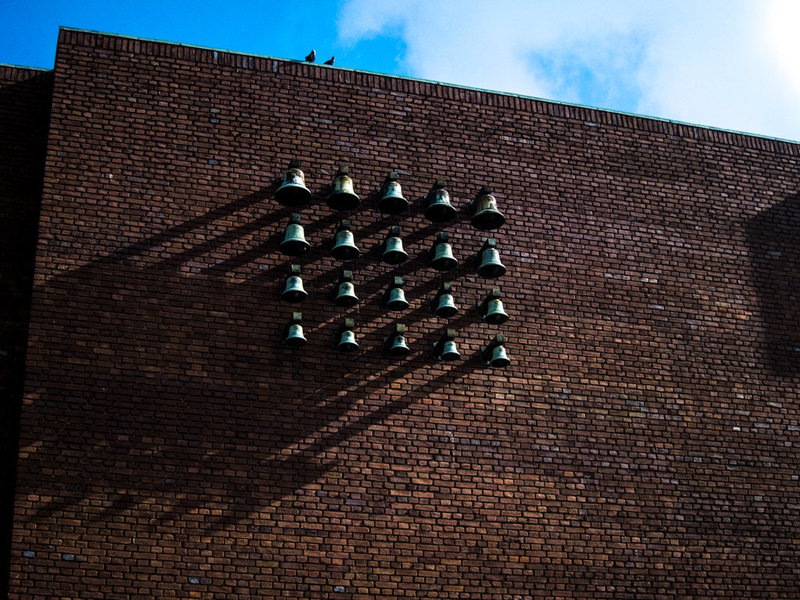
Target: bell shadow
{"points": [[775, 254], [154, 354]]}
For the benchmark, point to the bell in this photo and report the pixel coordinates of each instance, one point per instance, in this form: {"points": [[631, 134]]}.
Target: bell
{"points": [[293, 290], [346, 291], [342, 196], [437, 204], [397, 300], [495, 315], [344, 246], [395, 297], [491, 267], [494, 355], [499, 357], [294, 239], [392, 201], [294, 333], [445, 306], [492, 309], [443, 259], [347, 341], [292, 190], [449, 351], [395, 345], [345, 337], [398, 348], [393, 252], [445, 349], [346, 295], [443, 303], [295, 337], [486, 216]]}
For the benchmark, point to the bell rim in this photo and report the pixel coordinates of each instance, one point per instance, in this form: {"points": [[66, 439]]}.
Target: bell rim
{"points": [[446, 311], [398, 352], [445, 264], [499, 363], [293, 195], [345, 254], [347, 347], [294, 296], [397, 305], [295, 342], [496, 319], [492, 271], [449, 356], [433, 210], [486, 220], [346, 301], [394, 257], [294, 247], [343, 201], [392, 206]]}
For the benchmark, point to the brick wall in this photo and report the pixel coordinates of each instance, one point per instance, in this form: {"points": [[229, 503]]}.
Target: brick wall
{"points": [[24, 105], [640, 444]]}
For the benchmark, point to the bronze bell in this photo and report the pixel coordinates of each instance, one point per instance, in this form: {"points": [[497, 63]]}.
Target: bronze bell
{"points": [[346, 291], [342, 196], [490, 266], [345, 339], [293, 289], [294, 240], [484, 208], [437, 204], [491, 309], [292, 190], [495, 355], [394, 297], [395, 345], [443, 304], [344, 246], [445, 349], [294, 332], [392, 201], [393, 252], [443, 259]]}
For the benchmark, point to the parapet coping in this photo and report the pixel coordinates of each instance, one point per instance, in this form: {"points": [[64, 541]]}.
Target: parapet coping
{"points": [[20, 74], [23, 67], [424, 87]]}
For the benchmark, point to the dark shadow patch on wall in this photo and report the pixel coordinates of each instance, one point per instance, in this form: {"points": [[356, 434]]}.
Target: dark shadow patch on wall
{"points": [[774, 240], [24, 117]]}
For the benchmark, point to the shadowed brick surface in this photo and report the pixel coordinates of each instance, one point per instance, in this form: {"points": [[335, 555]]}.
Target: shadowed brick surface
{"points": [[24, 105], [640, 445]]}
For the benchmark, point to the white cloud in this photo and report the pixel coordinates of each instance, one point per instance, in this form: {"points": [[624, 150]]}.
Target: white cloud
{"points": [[724, 63]]}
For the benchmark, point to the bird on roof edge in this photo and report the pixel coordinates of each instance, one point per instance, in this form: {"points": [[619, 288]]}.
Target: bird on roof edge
{"points": [[330, 60], [312, 56]]}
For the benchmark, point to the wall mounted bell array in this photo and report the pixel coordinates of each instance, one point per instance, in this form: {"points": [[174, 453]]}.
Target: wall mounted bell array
{"points": [[340, 195]]}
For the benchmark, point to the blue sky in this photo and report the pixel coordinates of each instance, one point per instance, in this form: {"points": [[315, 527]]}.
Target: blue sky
{"points": [[733, 64]]}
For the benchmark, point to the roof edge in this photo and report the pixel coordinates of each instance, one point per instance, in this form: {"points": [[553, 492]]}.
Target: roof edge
{"points": [[24, 67], [411, 84]]}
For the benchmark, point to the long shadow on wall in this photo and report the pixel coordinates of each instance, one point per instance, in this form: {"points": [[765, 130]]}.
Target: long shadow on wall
{"points": [[774, 240], [164, 384]]}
